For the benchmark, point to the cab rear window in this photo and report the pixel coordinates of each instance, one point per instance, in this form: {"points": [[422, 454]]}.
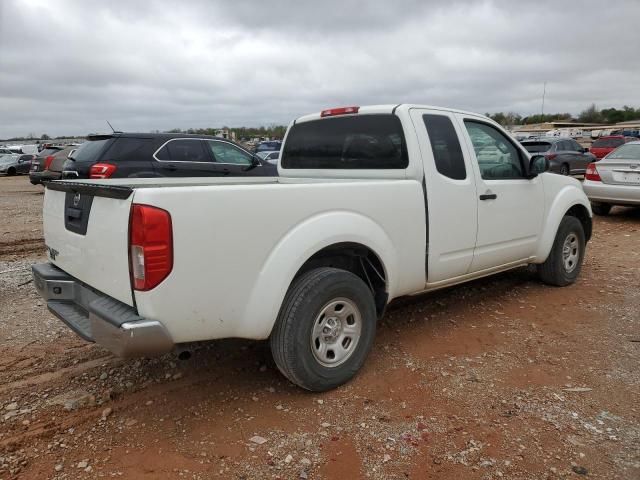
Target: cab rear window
{"points": [[355, 142]]}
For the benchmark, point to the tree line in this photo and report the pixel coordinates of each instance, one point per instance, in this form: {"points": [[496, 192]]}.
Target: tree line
{"points": [[589, 115]]}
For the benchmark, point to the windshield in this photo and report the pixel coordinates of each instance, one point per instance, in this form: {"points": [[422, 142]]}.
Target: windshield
{"points": [[536, 147], [630, 151], [607, 143]]}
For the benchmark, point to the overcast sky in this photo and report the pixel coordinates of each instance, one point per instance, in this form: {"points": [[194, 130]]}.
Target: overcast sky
{"points": [[67, 65]]}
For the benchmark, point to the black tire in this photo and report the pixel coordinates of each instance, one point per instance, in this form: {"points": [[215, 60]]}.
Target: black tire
{"points": [[601, 208], [554, 271], [564, 169], [11, 172], [291, 338]]}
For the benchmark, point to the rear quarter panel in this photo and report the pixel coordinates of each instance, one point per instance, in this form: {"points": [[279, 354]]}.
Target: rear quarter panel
{"points": [[238, 247]]}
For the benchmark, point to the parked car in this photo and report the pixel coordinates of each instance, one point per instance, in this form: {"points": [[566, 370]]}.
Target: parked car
{"points": [[614, 180], [139, 155], [5, 151], [139, 267], [269, 146], [565, 155], [14, 163], [605, 145], [25, 149], [48, 164], [271, 157]]}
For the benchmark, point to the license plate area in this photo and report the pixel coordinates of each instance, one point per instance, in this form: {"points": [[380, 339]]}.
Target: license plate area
{"points": [[626, 177]]}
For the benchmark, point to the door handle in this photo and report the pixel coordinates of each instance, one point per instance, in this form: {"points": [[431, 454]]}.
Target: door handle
{"points": [[488, 196]]}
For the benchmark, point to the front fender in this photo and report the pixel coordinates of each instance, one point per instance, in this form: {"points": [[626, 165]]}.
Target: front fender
{"points": [[296, 247], [567, 197]]}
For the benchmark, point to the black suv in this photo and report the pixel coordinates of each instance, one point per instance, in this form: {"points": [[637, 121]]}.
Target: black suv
{"points": [[122, 155]]}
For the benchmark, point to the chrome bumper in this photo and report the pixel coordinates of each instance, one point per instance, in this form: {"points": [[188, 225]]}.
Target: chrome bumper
{"points": [[99, 318]]}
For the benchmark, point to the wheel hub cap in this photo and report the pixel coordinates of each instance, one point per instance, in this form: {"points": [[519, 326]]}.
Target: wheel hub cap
{"points": [[570, 252], [336, 332]]}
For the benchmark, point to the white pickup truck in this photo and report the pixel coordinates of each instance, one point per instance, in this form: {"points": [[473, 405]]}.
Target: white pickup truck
{"points": [[372, 203]]}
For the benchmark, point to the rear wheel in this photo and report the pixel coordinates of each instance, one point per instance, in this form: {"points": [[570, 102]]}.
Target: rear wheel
{"points": [[601, 208], [325, 329], [564, 263], [564, 169]]}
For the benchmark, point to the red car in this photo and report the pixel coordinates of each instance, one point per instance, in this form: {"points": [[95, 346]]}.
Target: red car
{"points": [[605, 145]]}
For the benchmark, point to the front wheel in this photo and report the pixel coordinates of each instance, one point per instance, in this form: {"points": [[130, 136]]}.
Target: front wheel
{"points": [[564, 169], [325, 329], [11, 171], [601, 208], [564, 263]]}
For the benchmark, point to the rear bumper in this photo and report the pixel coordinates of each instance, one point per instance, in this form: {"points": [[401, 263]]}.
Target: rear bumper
{"points": [[614, 194], [99, 318]]}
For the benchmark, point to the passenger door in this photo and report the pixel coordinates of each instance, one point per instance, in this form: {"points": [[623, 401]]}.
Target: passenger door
{"points": [[580, 158], [186, 157], [510, 206], [450, 191]]}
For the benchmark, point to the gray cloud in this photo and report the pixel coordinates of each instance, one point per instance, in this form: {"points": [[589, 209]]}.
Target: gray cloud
{"points": [[67, 65]]}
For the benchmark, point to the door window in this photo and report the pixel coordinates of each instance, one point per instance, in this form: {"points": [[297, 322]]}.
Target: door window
{"points": [[445, 146], [183, 150], [575, 146], [497, 157], [226, 153]]}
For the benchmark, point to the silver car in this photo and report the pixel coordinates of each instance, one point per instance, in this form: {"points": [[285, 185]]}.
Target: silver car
{"points": [[614, 180]]}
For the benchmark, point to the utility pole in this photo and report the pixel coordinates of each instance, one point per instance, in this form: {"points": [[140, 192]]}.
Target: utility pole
{"points": [[544, 91]]}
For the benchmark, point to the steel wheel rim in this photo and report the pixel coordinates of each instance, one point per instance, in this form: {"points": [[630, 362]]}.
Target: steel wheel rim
{"points": [[570, 252], [336, 332]]}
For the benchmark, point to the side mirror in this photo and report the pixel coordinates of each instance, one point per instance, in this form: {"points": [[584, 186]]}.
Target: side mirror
{"points": [[538, 164]]}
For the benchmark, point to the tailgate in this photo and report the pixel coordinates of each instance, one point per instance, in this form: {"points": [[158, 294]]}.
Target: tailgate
{"points": [[623, 172], [86, 228]]}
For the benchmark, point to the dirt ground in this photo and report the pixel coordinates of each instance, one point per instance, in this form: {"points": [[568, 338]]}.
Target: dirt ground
{"points": [[500, 378]]}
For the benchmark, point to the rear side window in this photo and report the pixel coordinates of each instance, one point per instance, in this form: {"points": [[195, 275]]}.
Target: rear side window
{"points": [[355, 142], [537, 147], [183, 150], [608, 143], [446, 146], [90, 151]]}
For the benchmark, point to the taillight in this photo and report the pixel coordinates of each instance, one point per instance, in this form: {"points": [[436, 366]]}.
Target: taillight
{"points": [[339, 111], [592, 173], [102, 170], [47, 162], [150, 246], [551, 156]]}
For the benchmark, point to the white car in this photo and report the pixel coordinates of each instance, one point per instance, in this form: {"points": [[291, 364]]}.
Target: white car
{"points": [[372, 203], [614, 180], [271, 157]]}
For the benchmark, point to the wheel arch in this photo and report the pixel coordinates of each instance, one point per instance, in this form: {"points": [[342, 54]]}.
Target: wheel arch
{"points": [[569, 201], [354, 240]]}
